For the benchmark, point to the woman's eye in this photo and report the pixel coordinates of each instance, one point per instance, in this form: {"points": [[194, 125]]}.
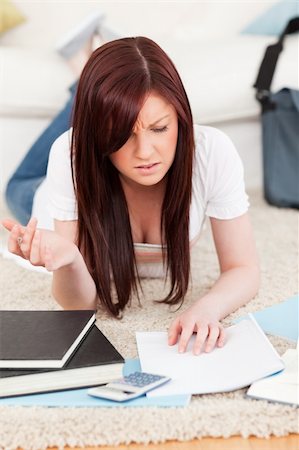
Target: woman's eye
{"points": [[160, 130]]}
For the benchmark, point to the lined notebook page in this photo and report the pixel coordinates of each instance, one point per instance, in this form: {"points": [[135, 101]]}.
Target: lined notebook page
{"points": [[246, 357]]}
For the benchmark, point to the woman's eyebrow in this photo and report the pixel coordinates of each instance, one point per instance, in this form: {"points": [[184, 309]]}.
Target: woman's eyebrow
{"points": [[159, 120]]}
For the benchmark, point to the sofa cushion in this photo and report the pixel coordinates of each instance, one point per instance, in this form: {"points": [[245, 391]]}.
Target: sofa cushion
{"points": [[218, 75], [274, 19], [10, 16], [33, 83]]}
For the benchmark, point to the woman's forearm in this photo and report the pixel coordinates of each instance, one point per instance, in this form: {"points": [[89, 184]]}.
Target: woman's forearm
{"points": [[233, 289], [73, 286]]}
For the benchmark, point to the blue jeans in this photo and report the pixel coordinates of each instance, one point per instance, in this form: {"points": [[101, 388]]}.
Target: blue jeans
{"points": [[32, 170]]}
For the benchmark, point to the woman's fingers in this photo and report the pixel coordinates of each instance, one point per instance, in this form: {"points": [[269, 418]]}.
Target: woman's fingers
{"points": [[40, 247], [173, 332], [14, 240], [214, 331], [209, 334], [25, 241], [35, 250], [222, 337], [201, 336], [9, 224], [27, 237], [48, 256], [185, 337]]}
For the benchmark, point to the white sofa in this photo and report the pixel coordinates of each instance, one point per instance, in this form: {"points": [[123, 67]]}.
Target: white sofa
{"points": [[218, 66]]}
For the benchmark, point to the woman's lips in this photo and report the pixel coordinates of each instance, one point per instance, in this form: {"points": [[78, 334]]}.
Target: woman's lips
{"points": [[147, 169], [146, 166]]}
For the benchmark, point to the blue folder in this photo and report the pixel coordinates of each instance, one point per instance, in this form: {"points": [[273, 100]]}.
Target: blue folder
{"points": [[281, 319], [80, 398]]}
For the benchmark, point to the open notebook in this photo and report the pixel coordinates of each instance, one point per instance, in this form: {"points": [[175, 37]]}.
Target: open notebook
{"points": [[246, 357], [282, 387]]}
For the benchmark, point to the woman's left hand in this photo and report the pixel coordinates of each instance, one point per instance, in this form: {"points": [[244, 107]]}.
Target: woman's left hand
{"points": [[208, 329]]}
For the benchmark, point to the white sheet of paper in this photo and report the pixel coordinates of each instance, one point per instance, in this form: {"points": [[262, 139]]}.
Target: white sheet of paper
{"points": [[246, 357], [282, 387], [290, 374]]}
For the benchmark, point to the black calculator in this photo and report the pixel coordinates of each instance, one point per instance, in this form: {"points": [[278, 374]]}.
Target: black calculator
{"points": [[129, 387]]}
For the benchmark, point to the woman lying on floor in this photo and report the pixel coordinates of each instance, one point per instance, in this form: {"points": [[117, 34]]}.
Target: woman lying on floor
{"points": [[128, 187]]}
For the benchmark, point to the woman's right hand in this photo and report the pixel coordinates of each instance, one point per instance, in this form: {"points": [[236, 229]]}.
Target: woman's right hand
{"points": [[39, 246]]}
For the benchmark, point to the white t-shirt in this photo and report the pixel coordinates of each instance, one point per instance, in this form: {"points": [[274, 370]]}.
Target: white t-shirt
{"points": [[218, 189]]}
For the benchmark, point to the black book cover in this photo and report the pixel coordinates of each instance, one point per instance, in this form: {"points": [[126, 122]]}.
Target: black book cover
{"points": [[33, 339], [95, 351]]}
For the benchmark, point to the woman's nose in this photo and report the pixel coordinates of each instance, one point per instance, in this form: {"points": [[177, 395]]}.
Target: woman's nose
{"points": [[144, 147]]}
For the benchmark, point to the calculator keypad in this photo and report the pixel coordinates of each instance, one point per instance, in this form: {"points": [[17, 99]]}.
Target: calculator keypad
{"points": [[129, 387], [141, 379]]}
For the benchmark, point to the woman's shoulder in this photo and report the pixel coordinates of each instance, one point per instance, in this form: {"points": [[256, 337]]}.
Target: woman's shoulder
{"points": [[60, 153], [216, 157], [218, 173], [213, 147], [61, 195], [62, 144], [208, 139]]}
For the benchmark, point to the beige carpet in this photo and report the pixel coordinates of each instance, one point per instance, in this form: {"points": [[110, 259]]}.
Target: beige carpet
{"points": [[207, 415]]}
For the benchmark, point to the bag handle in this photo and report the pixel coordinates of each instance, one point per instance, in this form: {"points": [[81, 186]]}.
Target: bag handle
{"points": [[268, 65]]}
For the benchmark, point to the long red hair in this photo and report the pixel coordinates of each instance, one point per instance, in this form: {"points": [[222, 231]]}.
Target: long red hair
{"points": [[111, 91]]}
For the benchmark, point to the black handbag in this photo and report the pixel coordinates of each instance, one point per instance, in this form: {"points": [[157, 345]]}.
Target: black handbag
{"points": [[280, 129]]}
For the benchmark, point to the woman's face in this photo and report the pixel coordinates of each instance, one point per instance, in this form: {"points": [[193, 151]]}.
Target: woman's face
{"points": [[149, 152]]}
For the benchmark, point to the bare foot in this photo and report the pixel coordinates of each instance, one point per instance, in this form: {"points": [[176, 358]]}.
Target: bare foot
{"points": [[77, 45]]}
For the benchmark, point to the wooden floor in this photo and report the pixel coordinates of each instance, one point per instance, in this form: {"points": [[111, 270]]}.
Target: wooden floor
{"points": [[290, 442]]}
